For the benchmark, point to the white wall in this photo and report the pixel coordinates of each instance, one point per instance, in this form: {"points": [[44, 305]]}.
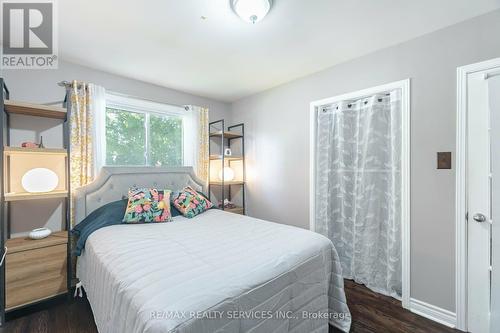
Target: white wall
{"points": [[277, 128], [40, 86]]}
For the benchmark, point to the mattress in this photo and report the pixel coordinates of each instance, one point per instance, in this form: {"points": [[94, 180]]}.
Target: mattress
{"points": [[217, 272]]}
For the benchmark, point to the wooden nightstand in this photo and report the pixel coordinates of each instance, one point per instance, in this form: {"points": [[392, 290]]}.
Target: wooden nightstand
{"points": [[35, 269]]}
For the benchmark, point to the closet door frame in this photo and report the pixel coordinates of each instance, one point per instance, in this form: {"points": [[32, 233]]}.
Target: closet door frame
{"points": [[404, 86]]}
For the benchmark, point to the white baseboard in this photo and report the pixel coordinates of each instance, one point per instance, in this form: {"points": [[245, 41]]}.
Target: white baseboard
{"points": [[433, 312]]}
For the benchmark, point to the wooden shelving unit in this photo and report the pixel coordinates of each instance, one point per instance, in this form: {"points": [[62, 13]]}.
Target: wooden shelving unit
{"points": [[23, 243], [221, 183], [34, 270], [12, 196], [28, 109], [226, 134], [18, 160], [45, 151], [220, 138], [237, 210], [227, 158]]}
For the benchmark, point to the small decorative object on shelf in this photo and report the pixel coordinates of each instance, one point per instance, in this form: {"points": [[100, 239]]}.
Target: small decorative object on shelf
{"points": [[29, 144], [40, 145], [227, 166], [227, 204], [39, 233]]}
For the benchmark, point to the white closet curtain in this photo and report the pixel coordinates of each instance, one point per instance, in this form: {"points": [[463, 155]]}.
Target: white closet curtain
{"points": [[358, 182], [98, 104]]}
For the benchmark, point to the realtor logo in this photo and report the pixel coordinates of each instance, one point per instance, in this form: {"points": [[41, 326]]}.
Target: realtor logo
{"points": [[28, 35]]}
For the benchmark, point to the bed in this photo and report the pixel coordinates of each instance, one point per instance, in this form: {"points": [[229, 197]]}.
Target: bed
{"points": [[217, 272]]}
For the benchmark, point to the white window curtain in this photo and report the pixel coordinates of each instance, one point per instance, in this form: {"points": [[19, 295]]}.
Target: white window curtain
{"points": [[194, 122], [358, 182], [88, 104], [98, 101]]}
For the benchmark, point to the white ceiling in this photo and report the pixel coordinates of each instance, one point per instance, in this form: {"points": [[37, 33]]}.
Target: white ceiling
{"points": [[167, 43]]}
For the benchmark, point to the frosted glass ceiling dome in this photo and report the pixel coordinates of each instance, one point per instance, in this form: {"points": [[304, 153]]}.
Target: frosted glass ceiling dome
{"points": [[251, 11]]}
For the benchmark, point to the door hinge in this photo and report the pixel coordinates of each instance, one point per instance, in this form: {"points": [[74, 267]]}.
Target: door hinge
{"points": [[467, 217]]}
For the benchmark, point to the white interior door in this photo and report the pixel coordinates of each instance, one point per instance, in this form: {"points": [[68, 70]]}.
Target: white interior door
{"points": [[479, 202]]}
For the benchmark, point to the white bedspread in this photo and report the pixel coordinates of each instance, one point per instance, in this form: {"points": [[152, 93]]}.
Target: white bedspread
{"points": [[218, 272]]}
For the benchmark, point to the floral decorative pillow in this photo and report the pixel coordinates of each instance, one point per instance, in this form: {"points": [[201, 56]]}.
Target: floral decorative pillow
{"points": [[191, 203], [148, 205]]}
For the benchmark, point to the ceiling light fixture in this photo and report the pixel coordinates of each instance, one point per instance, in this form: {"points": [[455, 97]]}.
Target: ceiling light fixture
{"points": [[251, 11]]}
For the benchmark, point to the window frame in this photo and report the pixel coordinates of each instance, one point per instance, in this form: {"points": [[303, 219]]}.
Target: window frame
{"points": [[147, 108]]}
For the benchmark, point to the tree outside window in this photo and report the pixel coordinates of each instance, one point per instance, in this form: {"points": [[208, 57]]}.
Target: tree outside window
{"points": [[143, 138]]}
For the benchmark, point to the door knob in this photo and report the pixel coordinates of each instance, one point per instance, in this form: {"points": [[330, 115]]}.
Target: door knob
{"points": [[479, 218]]}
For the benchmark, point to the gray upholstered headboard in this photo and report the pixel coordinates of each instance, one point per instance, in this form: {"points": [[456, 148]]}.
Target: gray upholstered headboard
{"points": [[113, 183]]}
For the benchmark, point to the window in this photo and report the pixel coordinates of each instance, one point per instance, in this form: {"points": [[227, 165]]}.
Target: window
{"points": [[139, 132]]}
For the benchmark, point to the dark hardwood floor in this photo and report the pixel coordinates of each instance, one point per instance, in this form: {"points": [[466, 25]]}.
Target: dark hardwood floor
{"points": [[73, 316], [371, 313]]}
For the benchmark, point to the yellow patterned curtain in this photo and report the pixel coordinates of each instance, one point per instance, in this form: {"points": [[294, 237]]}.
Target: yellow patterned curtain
{"points": [[203, 153], [82, 127], [86, 106]]}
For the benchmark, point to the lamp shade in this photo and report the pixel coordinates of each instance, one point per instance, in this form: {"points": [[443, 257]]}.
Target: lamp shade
{"points": [[226, 174], [40, 180]]}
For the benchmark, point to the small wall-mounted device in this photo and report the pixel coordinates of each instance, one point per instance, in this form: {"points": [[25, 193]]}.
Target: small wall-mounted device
{"points": [[444, 160]]}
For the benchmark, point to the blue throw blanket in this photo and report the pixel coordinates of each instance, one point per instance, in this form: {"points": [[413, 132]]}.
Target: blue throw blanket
{"points": [[107, 215]]}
